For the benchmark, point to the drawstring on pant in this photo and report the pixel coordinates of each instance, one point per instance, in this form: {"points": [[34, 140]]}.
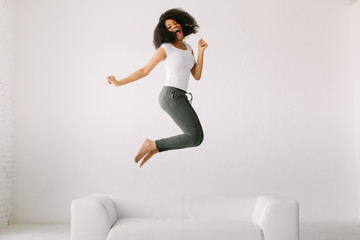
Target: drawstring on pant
{"points": [[188, 97]]}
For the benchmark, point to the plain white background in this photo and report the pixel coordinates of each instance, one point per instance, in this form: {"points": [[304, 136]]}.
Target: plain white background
{"points": [[354, 13], [276, 101]]}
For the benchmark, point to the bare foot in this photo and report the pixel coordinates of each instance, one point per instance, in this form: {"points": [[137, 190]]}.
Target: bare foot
{"points": [[145, 149], [148, 156]]}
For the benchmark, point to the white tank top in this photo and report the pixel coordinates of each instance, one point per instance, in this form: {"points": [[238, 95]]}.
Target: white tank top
{"points": [[178, 64]]}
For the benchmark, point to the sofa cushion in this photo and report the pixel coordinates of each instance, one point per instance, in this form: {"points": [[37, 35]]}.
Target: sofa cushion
{"points": [[219, 206], [180, 229], [148, 205]]}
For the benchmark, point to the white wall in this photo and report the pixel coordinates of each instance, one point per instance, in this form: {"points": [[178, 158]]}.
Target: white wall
{"points": [[6, 111], [275, 101], [354, 12]]}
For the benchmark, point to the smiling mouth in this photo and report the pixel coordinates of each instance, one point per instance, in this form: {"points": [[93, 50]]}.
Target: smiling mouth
{"points": [[177, 32]]}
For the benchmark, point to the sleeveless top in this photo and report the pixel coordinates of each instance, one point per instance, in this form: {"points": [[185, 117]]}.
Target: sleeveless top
{"points": [[178, 63]]}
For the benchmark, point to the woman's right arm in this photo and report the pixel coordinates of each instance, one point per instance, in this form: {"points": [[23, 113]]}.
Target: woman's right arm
{"points": [[142, 72]]}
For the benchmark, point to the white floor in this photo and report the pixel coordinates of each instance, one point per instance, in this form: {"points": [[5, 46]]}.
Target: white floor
{"points": [[330, 231], [36, 232], [308, 231]]}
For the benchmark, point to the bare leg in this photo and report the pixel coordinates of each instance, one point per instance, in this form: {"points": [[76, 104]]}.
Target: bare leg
{"points": [[148, 149]]}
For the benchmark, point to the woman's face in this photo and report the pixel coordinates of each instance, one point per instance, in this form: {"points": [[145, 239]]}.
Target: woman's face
{"points": [[173, 26]]}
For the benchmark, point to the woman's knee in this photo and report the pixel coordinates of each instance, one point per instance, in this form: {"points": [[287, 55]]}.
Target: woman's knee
{"points": [[197, 138]]}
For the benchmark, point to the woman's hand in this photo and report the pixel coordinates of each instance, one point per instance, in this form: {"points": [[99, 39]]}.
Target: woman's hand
{"points": [[111, 80], [202, 45]]}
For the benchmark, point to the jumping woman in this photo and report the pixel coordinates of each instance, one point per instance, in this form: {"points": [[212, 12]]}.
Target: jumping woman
{"points": [[179, 61]]}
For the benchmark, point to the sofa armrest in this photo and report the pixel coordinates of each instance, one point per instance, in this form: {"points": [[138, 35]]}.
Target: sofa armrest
{"points": [[92, 217], [278, 217]]}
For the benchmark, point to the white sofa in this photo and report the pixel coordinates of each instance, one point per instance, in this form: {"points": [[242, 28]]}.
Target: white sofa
{"points": [[184, 217]]}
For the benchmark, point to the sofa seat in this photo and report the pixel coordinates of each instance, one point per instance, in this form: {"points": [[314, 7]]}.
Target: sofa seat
{"points": [[180, 229], [184, 217]]}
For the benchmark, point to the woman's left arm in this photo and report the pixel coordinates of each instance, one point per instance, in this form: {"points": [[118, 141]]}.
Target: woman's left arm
{"points": [[197, 68]]}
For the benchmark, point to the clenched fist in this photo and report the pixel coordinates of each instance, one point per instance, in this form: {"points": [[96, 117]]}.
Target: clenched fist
{"points": [[202, 45], [111, 80]]}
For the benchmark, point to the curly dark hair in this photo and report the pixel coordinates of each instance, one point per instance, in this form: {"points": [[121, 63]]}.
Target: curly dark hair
{"points": [[187, 22]]}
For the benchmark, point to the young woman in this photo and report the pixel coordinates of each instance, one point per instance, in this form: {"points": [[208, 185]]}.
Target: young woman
{"points": [[174, 25]]}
